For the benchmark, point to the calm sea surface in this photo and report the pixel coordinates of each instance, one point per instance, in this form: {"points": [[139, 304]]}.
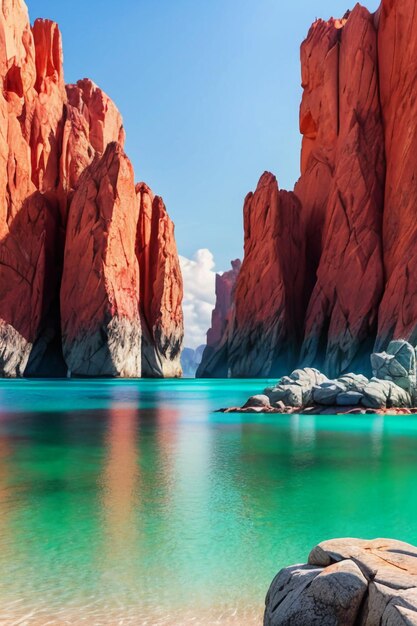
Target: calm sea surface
{"points": [[133, 503]]}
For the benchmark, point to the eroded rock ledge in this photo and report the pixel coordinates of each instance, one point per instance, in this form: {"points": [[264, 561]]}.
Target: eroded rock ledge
{"points": [[347, 582], [393, 388]]}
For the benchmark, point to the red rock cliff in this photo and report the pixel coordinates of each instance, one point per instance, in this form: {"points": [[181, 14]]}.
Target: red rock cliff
{"points": [[160, 287], [343, 308], [351, 279], [214, 360], [67, 190], [263, 334], [397, 49]]}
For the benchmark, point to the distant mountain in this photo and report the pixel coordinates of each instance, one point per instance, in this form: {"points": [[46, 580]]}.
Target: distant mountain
{"points": [[190, 360]]}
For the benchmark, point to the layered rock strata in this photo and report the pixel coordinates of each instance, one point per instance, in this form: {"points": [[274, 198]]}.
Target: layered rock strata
{"points": [[347, 581], [350, 251], [68, 190]]}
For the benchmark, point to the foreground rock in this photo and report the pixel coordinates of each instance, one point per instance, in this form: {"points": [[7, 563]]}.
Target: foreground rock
{"points": [[347, 582], [393, 386]]}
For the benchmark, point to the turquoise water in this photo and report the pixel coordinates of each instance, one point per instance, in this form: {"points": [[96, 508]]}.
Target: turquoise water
{"points": [[134, 503]]}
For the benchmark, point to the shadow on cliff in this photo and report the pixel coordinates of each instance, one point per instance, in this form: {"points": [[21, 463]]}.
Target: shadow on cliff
{"points": [[31, 258]]}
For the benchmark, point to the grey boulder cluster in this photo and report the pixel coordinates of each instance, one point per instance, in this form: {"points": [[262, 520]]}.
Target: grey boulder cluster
{"points": [[347, 582], [393, 385]]}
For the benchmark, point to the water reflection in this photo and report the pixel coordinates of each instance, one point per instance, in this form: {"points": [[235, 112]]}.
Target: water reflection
{"points": [[121, 497], [139, 504]]}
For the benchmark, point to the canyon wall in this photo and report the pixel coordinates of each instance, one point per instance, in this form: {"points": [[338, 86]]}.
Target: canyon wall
{"points": [[215, 352], [77, 292], [330, 269]]}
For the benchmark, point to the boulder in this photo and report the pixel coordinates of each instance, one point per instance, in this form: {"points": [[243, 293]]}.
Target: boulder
{"points": [[309, 375], [353, 382], [379, 394], [398, 364], [404, 354], [257, 401], [375, 394], [307, 595], [350, 582], [349, 398], [327, 392], [291, 395]]}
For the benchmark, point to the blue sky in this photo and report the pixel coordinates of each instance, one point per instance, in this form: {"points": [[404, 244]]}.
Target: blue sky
{"points": [[209, 91]]}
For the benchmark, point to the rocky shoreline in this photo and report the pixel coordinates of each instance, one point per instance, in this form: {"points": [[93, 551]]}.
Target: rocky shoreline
{"points": [[347, 581], [392, 389]]}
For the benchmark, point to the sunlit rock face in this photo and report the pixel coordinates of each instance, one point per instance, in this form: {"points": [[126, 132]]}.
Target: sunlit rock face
{"points": [[52, 174], [349, 280], [161, 287], [101, 328], [342, 314]]}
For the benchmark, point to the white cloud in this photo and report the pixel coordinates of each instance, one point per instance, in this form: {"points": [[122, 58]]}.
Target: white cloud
{"points": [[199, 296]]}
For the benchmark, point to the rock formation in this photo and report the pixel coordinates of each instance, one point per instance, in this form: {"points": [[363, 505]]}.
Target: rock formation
{"points": [[160, 288], [221, 316], [327, 288], [101, 330], [393, 386], [262, 336], [342, 312], [347, 581], [68, 222]]}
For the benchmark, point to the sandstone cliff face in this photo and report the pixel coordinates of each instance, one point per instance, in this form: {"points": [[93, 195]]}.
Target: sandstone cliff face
{"points": [[225, 284], [161, 287], [214, 359], [50, 135], [262, 335], [397, 47], [101, 328], [356, 197], [341, 320]]}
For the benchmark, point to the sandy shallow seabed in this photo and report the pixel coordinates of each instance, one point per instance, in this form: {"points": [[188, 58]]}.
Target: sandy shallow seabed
{"points": [[95, 616]]}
